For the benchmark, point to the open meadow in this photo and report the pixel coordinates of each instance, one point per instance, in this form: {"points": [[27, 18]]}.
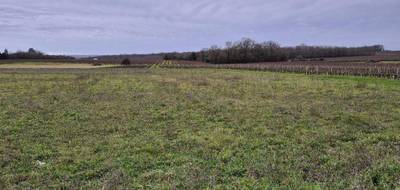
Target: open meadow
{"points": [[159, 128], [50, 65]]}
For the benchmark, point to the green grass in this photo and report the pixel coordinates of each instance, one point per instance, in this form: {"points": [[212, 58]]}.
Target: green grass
{"points": [[50, 65], [198, 129]]}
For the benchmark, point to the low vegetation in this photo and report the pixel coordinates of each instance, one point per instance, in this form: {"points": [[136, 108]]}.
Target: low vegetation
{"points": [[371, 69], [156, 128], [51, 65], [126, 62]]}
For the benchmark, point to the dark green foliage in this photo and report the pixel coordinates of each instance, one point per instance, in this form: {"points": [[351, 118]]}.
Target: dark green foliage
{"points": [[4, 55], [126, 62], [31, 54], [193, 56], [188, 56]]}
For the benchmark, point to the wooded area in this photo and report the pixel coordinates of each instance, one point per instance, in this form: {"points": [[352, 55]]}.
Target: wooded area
{"points": [[30, 54], [248, 50]]}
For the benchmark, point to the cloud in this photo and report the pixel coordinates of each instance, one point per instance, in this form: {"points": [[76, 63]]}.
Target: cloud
{"points": [[123, 26]]}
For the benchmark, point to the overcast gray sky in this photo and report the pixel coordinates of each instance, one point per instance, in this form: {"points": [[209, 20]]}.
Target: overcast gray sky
{"points": [[143, 26]]}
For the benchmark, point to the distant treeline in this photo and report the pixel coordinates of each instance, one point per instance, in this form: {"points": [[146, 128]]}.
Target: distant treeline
{"points": [[30, 54], [248, 50], [126, 56]]}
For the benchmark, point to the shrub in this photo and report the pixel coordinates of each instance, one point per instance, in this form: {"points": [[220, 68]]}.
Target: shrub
{"points": [[126, 62]]}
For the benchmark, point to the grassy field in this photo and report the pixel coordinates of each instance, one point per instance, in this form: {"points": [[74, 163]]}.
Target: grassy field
{"points": [[197, 129], [49, 65]]}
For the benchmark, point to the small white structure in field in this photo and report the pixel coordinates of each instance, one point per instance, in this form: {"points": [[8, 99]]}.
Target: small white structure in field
{"points": [[40, 163]]}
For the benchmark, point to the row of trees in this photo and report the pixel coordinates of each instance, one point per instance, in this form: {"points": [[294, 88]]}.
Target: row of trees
{"points": [[30, 54], [189, 56], [248, 50]]}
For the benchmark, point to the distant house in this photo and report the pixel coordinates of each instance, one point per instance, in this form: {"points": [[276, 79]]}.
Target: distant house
{"points": [[95, 59]]}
